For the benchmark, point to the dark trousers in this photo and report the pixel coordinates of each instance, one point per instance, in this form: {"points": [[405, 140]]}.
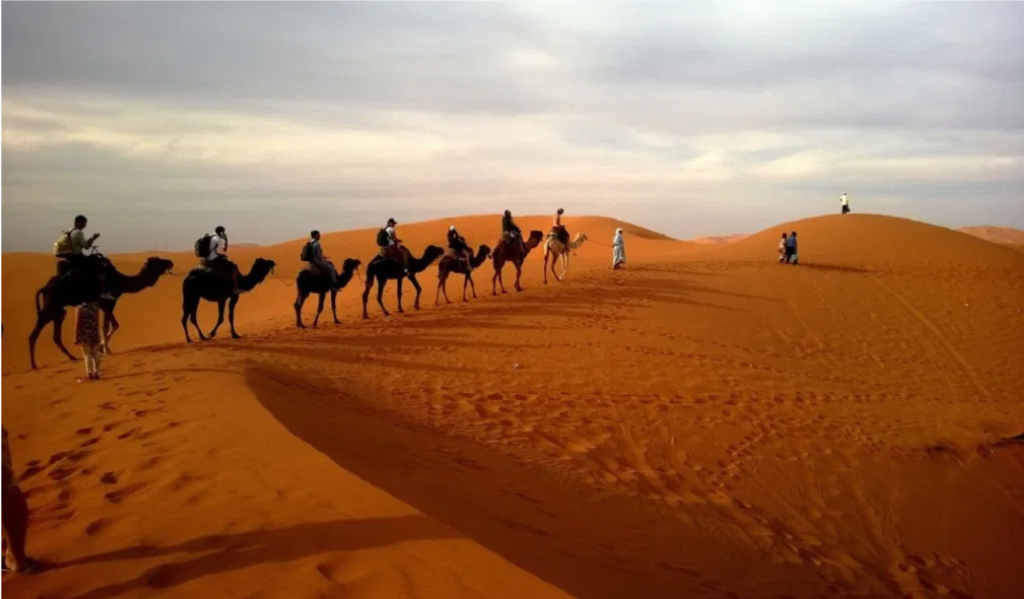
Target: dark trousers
{"points": [[846, 209]]}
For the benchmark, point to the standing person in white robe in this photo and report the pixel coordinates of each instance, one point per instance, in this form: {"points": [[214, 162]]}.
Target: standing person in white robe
{"points": [[618, 250]]}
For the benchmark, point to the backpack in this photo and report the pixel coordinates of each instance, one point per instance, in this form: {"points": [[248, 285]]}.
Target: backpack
{"points": [[307, 252], [63, 243], [202, 246], [383, 239]]}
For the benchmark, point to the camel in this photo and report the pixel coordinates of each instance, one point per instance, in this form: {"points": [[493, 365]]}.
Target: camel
{"points": [[311, 280], [206, 284], [383, 269], [450, 264], [510, 251], [556, 249], [61, 292]]}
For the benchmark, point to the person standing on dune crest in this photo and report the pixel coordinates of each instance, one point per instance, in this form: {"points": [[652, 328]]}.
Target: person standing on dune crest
{"points": [[845, 201], [618, 250], [13, 514]]}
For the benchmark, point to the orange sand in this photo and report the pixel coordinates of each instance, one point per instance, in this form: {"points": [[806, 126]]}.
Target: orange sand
{"points": [[704, 423], [1004, 235], [716, 239]]}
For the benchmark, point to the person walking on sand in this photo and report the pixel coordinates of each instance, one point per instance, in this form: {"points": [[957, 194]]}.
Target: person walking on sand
{"points": [[791, 256], [782, 249], [845, 201], [15, 518], [618, 250], [87, 336]]}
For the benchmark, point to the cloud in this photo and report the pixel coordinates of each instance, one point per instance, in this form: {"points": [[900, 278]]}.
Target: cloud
{"points": [[657, 111]]}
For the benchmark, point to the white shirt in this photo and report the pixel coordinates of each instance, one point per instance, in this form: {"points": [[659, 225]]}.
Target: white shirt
{"points": [[844, 200], [78, 241], [617, 240], [216, 243]]}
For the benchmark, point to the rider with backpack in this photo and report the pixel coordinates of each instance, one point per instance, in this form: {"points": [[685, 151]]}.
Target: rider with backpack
{"points": [[313, 253], [391, 246], [212, 250], [71, 257]]}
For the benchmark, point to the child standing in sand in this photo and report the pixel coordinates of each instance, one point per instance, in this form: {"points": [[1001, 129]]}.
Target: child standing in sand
{"points": [[87, 336]]}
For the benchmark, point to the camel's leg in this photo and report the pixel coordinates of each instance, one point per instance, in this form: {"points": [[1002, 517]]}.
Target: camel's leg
{"points": [[110, 326], [334, 305], [419, 291], [444, 288], [519, 274], [465, 283], [381, 282], [401, 282], [319, 308], [186, 309], [220, 317], [366, 295], [565, 265], [300, 301], [545, 266], [58, 334], [231, 316], [495, 279], [442, 278], [42, 320]]}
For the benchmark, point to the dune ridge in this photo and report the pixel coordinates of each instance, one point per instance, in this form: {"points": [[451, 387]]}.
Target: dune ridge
{"points": [[704, 423]]}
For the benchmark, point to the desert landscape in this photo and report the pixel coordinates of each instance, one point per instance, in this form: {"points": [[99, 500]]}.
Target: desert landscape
{"points": [[703, 423]]}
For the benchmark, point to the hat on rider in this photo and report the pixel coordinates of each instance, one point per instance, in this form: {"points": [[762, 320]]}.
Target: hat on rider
{"points": [[451, 228], [391, 222], [508, 213], [219, 230], [561, 210]]}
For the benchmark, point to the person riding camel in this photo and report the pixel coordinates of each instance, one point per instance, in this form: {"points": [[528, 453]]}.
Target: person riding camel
{"points": [[71, 256], [391, 246], [559, 229], [313, 253], [457, 243], [509, 230], [218, 258]]}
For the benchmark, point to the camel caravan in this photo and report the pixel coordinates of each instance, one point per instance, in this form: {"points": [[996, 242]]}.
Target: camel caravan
{"points": [[85, 277]]}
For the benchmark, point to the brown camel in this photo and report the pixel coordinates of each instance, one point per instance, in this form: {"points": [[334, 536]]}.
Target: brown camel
{"points": [[450, 264], [511, 251], [209, 284], [311, 280], [556, 249], [381, 269], [61, 292]]}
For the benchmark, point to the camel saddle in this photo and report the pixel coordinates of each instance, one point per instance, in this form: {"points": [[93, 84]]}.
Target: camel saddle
{"points": [[312, 269], [560, 233]]}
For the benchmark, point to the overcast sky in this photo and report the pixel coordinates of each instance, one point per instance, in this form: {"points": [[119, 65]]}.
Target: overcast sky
{"points": [[162, 120]]}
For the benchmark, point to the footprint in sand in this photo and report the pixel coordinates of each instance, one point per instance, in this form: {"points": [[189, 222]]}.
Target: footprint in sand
{"points": [[121, 494]]}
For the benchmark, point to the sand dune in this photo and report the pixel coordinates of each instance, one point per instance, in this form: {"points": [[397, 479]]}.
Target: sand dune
{"points": [[705, 423], [716, 239], [1004, 235]]}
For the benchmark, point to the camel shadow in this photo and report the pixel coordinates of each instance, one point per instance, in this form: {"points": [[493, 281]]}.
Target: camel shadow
{"points": [[216, 554]]}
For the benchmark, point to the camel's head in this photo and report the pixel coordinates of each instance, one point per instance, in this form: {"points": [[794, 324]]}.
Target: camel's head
{"points": [[432, 253], [580, 238], [536, 237], [158, 265], [484, 251], [263, 265], [351, 265]]}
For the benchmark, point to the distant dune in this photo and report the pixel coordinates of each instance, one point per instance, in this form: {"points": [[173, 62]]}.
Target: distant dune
{"points": [[719, 239], [704, 423], [1003, 235]]}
